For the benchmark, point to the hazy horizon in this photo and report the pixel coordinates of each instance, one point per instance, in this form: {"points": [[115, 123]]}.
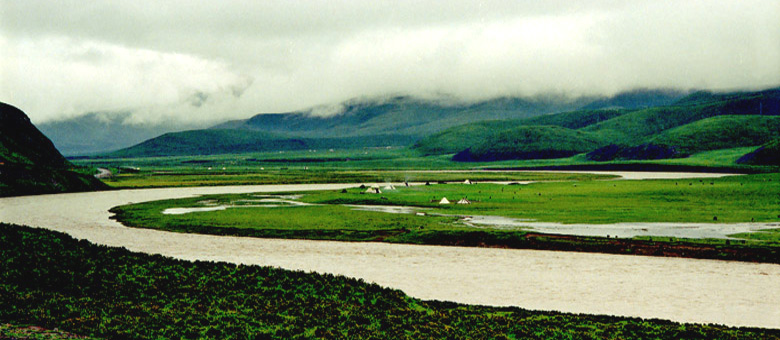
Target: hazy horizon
{"points": [[210, 62]]}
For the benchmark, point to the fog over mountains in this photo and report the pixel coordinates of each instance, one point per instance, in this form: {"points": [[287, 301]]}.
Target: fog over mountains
{"points": [[666, 126], [402, 120], [215, 61], [106, 131]]}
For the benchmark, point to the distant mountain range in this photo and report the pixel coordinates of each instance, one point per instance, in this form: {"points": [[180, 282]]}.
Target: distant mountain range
{"points": [[699, 122], [29, 162], [636, 125], [395, 121], [102, 132]]}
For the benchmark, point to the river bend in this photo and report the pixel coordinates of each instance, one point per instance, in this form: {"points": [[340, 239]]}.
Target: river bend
{"points": [[685, 290]]}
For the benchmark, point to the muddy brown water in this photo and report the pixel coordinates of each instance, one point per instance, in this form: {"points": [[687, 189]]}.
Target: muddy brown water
{"points": [[685, 290]]}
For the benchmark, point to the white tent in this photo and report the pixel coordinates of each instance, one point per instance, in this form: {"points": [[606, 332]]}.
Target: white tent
{"points": [[444, 201], [463, 201], [468, 181], [373, 190]]}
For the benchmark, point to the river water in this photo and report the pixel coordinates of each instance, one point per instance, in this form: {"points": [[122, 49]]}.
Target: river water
{"points": [[686, 290]]}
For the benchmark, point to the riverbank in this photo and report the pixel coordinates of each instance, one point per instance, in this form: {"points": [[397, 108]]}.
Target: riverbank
{"points": [[55, 281]]}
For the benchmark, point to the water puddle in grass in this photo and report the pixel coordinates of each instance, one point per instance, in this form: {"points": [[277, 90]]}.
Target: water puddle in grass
{"points": [[182, 211], [211, 205], [390, 209], [621, 230], [284, 197]]}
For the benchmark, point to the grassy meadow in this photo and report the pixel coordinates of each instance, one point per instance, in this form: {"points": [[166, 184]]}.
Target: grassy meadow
{"points": [[331, 215]]}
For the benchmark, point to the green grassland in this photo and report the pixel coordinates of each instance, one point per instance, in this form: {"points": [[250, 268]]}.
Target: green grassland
{"points": [[731, 199], [287, 176], [315, 166], [54, 281], [372, 165]]}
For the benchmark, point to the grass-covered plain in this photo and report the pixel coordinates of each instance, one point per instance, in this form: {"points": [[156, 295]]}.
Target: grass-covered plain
{"points": [[752, 198], [306, 169], [371, 165], [54, 281]]}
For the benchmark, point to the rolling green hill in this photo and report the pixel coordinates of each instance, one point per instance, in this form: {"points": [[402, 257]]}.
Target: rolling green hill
{"points": [[702, 121], [638, 126], [400, 116], [221, 141], [721, 132], [531, 142], [29, 162], [462, 137]]}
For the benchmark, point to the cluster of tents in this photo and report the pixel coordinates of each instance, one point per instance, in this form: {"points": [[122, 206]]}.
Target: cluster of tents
{"points": [[375, 189], [444, 200]]}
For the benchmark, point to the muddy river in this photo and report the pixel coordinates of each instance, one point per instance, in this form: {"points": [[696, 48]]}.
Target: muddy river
{"points": [[685, 290]]}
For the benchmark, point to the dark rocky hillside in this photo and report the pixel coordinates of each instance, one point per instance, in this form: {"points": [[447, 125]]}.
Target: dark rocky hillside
{"points": [[29, 162]]}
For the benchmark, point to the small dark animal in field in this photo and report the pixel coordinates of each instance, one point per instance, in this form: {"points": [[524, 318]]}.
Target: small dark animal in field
{"points": [[343, 191], [715, 218]]}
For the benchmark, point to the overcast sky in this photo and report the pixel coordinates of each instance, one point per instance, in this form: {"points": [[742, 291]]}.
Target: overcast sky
{"points": [[216, 60]]}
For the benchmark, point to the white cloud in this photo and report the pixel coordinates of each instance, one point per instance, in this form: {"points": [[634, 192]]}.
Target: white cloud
{"points": [[59, 77], [230, 59]]}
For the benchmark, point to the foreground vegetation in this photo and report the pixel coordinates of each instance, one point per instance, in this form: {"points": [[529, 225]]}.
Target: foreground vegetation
{"points": [[332, 215], [54, 281]]}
